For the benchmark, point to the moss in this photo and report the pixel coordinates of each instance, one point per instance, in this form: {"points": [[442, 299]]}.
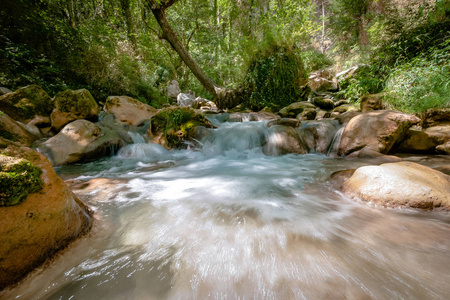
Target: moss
{"points": [[8, 135], [27, 102], [18, 178], [81, 100], [175, 123]]}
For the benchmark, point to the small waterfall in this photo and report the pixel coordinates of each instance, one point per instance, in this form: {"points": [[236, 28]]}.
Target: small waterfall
{"points": [[148, 152], [136, 137], [334, 146]]}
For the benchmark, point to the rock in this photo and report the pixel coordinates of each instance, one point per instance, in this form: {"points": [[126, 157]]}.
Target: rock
{"points": [[401, 184], [378, 131], [170, 126], [307, 114], [318, 135], [283, 140], [13, 131], [197, 134], [436, 116], [173, 89], [372, 102], [235, 117], [73, 105], [323, 114], [444, 169], [319, 84], [344, 118], [345, 108], [292, 110], [339, 177], [27, 102], [424, 140], [323, 103], [79, 141], [4, 91], [41, 126], [376, 157], [444, 148], [128, 111], [262, 116], [205, 104], [44, 223], [186, 100], [285, 122], [340, 102]]}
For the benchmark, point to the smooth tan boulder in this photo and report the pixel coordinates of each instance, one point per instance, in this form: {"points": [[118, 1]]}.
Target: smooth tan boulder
{"points": [[424, 140], [78, 141], [14, 132], [376, 131], [44, 223], [73, 105], [26, 103], [401, 184], [128, 111]]}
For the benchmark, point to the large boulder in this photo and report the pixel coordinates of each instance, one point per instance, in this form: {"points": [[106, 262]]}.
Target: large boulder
{"points": [[281, 139], [73, 105], [318, 135], [14, 132], [377, 131], [42, 224], [323, 102], [27, 102], [128, 111], [292, 110], [401, 184], [319, 84], [79, 141], [424, 140]]}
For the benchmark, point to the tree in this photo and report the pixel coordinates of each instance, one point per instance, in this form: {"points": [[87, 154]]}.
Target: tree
{"points": [[225, 98]]}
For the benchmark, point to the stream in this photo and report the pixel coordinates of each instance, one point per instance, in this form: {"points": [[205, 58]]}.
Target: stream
{"points": [[228, 222]]}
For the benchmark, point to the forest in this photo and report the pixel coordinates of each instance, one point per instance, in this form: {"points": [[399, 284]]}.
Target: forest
{"points": [[224, 149], [117, 47]]}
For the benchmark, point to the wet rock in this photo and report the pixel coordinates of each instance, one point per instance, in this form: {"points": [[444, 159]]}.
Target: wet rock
{"points": [[44, 223], [15, 132], [281, 139], [421, 187], [318, 135], [424, 140], [376, 157], [128, 111], [79, 141], [235, 117], [285, 122], [26, 103], [444, 148], [378, 131], [262, 116], [372, 102], [73, 105], [323, 103], [339, 177], [436, 116], [292, 110]]}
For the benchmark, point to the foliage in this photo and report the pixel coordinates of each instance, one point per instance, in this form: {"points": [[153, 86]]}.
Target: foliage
{"points": [[421, 83], [18, 178], [274, 78], [313, 60]]}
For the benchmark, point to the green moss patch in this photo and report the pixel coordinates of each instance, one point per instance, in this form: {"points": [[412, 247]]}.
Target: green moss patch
{"points": [[18, 178], [80, 100], [175, 123]]}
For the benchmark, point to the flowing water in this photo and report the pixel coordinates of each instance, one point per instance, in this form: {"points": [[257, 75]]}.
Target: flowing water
{"points": [[229, 222]]}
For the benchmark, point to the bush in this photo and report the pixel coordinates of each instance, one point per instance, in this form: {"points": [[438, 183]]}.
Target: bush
{"points": [[314, 60], [274, 78], [422, 83]]}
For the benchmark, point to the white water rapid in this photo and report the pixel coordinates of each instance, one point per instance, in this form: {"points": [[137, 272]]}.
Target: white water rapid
{"points": [[229, 222]]}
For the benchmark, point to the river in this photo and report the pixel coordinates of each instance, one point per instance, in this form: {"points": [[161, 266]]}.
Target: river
{"points": [[228, 222]]}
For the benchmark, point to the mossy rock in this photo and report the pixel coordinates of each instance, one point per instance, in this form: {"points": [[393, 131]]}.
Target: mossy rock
{"points": [[18, 178], [27, 102], [172, 124], [80, 101]]}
